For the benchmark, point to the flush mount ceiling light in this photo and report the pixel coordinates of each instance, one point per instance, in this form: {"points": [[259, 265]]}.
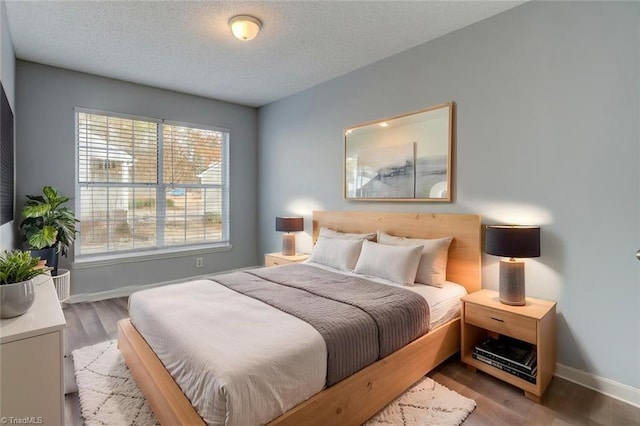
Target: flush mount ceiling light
{"points": [[245, 27]]}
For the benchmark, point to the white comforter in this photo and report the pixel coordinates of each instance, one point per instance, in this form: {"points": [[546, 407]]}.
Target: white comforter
{"points": [[214, 342], [224, 349]]}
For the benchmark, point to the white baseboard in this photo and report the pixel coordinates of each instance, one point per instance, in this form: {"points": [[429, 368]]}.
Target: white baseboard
{"points": [[129, 290], [608, 387]]}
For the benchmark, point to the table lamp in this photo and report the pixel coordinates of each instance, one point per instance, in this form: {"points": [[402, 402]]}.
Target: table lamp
{"points": [[512, 242], [289, 225]]}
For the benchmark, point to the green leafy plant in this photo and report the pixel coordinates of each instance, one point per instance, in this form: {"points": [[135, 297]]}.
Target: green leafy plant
{"points": [[17, 266], [47, 223]]}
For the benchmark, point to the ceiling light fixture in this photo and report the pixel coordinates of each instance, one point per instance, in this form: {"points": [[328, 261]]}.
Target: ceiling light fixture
{"points": [[245, 27]]}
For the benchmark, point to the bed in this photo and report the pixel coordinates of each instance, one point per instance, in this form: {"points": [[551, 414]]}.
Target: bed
{"points": [[358, 397]]}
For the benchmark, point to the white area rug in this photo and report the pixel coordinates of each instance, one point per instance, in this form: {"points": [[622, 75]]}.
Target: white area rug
{"points": [[110, 396], [426, 403], [108, 393]]}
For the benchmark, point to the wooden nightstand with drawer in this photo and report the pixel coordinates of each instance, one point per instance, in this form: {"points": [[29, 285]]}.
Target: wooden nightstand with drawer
{"points": [[484, 316], [275, 259]]}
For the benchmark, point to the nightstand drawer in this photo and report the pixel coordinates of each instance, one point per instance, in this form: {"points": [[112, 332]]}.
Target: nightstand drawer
{"points": [[273, 261], [521, 328]]}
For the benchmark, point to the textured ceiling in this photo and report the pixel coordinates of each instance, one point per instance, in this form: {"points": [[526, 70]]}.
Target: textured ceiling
{"points": [[188, 47]]}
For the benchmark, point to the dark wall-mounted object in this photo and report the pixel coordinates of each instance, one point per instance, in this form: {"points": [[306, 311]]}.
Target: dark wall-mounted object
{"points": [[6, 160]]}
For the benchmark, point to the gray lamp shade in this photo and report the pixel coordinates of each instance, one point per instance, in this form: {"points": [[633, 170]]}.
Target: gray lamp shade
{"points": [[289, 224], [512, 241]]}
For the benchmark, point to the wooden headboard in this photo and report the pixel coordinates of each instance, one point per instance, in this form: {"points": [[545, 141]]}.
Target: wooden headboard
{"points": [[463, 266]]}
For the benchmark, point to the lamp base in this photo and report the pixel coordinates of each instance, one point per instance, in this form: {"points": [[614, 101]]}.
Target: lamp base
{"points": [[512, 282], [288, 244]]}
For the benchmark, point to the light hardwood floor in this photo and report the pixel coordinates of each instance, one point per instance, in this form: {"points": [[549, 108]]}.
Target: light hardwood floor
{"points": [[497, 403]]}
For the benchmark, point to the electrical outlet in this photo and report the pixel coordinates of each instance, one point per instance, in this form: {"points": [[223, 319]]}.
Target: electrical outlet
{"points": [[198, 262]]}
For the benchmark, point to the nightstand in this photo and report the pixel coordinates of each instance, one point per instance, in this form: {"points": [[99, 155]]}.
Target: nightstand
{"points": [[275, 259], [484, 316]]}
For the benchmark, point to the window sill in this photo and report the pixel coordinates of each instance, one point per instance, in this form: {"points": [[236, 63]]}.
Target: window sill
{"points": [[135, 257]]}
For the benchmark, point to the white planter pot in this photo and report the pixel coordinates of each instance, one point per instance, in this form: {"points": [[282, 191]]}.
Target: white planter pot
{"points": [[16, 299], [62, 283]]}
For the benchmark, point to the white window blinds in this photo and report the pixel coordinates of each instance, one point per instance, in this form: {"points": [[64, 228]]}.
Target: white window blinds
{"points": [[144, 184]]}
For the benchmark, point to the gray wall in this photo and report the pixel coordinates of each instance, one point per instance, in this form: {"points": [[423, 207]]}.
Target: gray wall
{"points": [[7, 76], [46, 156], [547, 133]]}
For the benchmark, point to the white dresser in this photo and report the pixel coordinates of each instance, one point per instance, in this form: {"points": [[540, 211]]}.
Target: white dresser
{"points": [[31, 361]]}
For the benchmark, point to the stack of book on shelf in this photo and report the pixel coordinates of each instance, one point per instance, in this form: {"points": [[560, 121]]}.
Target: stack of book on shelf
{"points": [[509, 355]]}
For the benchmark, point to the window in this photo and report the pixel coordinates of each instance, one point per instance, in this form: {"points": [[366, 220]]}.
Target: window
{"points": [[146, 184]]}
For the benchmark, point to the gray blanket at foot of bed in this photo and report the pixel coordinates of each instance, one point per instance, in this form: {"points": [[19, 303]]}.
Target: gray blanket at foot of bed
{"points": [[360, 321]]}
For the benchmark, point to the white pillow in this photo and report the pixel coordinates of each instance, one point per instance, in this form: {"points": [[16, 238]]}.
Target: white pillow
{"points": [[394, 263], [330, 233], [433, 262], [337, 253]]}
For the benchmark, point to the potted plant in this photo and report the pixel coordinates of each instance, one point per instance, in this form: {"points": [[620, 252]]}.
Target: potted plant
{"points": [[17, 293], [49, 227]]}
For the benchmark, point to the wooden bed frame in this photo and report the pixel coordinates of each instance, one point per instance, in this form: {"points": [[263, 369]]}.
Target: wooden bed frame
{"points": [[360, 396]]}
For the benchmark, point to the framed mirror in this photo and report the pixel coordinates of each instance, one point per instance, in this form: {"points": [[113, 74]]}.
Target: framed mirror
{"points": [[402, 158]]}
